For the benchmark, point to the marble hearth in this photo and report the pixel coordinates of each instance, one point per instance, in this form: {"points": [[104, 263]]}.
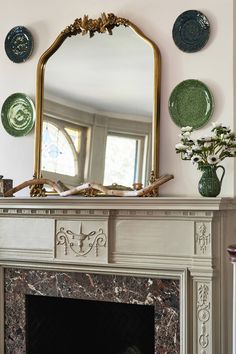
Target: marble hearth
{"points": [[166, 252], [163, 294]]}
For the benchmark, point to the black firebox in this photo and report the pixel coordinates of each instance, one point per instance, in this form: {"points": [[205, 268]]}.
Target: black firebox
{"points": [[57, 325]]}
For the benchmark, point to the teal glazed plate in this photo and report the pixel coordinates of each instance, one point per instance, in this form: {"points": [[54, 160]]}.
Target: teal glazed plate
{"points": [[191, 31], [18, 114], [19, 44], [191, 104]]}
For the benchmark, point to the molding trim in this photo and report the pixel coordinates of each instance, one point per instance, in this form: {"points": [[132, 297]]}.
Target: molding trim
{"points": [[128, 214], [97, 269], [52, 212], [164, 261], [27, 254]]}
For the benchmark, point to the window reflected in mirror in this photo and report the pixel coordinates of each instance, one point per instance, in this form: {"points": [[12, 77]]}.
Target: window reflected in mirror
{"points": [[63, 151], [124, 156], [58, 156]]}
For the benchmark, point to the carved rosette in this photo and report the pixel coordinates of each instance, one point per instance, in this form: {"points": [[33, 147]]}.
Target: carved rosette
{"points": [[105, 23], [80, 244], [202, 239], [203, 316]]}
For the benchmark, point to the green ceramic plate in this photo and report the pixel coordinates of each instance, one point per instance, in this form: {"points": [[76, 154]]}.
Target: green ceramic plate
{"points": [[18, 114], [191, 103]]}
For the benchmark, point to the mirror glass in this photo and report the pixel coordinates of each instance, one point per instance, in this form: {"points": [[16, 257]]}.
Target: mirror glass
{"points": [[98, 107]]}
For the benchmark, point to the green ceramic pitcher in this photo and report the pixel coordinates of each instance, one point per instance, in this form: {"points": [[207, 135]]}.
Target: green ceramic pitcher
{"points": [[209, 184]]}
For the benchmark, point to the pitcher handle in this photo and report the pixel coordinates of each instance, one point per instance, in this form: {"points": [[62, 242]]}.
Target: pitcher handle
{"points": [[223, 173]]}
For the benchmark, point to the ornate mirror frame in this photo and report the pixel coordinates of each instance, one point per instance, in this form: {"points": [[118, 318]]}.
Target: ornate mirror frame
{"points": [[84, 26]]}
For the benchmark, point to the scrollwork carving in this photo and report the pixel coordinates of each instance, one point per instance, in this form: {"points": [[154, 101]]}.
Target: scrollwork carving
{"points": [[203, 238], [80, 244], [203, 315]]}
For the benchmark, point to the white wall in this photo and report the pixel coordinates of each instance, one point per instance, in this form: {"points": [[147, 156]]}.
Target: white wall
{"points": [[212, 65]]}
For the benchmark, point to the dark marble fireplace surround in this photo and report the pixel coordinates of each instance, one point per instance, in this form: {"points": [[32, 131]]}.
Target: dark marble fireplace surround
{"points": [[163, 294]]}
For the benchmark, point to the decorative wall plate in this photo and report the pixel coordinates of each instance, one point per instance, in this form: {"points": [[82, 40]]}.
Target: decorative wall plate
{"points": [[18, 114], [19, 44], [191, 31], [191, 104]]}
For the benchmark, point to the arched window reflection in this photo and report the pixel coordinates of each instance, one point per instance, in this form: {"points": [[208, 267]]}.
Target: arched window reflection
{"points": [[58, 154], [63, 151]]}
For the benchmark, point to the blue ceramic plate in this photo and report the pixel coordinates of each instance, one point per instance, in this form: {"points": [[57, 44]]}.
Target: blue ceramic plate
{"points": [[18, 114], [191, 31], [19, 44]]}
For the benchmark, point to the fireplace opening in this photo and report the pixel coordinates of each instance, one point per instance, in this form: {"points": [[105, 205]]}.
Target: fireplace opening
{"points": [[72, 326]]}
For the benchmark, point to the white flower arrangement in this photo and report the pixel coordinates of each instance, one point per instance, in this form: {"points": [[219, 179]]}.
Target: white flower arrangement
{"points": [[208, 150]]}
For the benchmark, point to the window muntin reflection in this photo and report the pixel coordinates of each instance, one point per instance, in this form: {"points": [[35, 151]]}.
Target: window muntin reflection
{"points": [[75, 135], [124, 155]]}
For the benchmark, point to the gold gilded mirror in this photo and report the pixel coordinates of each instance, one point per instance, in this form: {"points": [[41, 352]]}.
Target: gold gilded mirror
{"points": [[97, 110]]}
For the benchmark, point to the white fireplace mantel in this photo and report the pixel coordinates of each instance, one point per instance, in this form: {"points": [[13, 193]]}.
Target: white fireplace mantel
{"points": [[180, 238]]}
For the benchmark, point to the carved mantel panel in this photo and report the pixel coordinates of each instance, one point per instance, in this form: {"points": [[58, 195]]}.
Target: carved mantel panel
{"points": [[81, 241]]}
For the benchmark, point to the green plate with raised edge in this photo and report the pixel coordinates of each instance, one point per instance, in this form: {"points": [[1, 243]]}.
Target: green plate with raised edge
{"points": [[18, 114], [191, 104]]}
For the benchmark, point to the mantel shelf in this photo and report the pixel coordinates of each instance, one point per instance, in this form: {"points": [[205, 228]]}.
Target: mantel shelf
{"points": [[111, 203]]}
